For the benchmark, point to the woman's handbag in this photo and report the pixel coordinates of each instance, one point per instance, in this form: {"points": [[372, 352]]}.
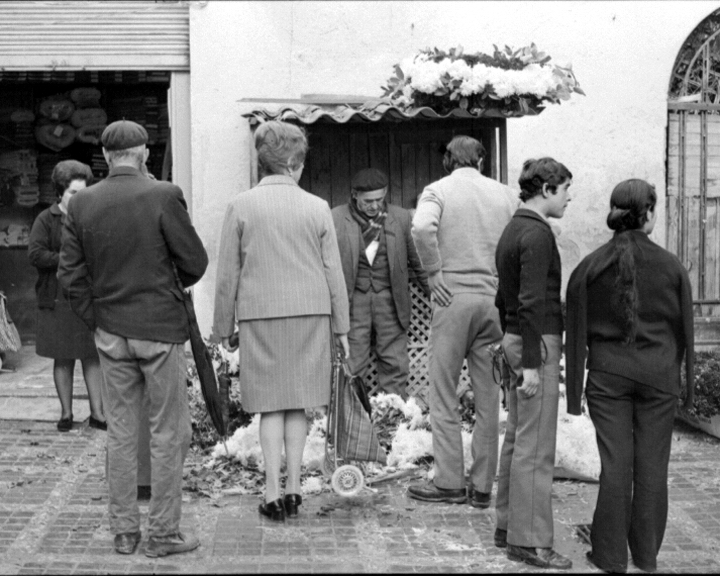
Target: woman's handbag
{"points": [[9, 336]]}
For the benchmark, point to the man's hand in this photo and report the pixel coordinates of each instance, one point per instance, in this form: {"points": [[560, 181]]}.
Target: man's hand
{"points": [[531, 382], [342, 340], [439, 290]]}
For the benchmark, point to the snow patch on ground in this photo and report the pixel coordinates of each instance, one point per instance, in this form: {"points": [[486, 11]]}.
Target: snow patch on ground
{"points": [[313, 485], [243, 446], [409, 446], [576, 445]]}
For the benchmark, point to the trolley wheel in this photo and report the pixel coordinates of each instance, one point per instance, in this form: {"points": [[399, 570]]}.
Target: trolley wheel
{"points": [[347, 480]]}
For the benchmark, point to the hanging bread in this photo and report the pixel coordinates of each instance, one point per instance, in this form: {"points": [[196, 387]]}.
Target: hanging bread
{"points": [[57, 109], [90, 134], [88, 117], [55, 136], [86, 97]]}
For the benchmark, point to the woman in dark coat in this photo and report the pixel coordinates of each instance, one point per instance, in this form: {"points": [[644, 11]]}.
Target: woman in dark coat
{"points": [[629, 308], [61, 335]]}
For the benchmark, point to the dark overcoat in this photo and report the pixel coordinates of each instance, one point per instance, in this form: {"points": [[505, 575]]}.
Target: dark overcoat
{"points": [[402, 255], [120, 241]]}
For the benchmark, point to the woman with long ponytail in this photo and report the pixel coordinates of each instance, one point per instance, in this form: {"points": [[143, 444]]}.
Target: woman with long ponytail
{"points": [[629, 314]]}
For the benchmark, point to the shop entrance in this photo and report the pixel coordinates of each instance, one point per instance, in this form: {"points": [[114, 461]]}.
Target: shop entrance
{"points": [[46, 117]]}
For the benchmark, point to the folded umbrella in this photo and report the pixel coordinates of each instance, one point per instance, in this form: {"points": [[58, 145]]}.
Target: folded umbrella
{"points": [[204, 366]]}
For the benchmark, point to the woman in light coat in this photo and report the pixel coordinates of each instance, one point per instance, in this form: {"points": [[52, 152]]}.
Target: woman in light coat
{"points": [[280, 280]]}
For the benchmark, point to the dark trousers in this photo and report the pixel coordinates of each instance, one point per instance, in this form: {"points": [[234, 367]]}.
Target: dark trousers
{"points": [[634, 424], [375, 312]]}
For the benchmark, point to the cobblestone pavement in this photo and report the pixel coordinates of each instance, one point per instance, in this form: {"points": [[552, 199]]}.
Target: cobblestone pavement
{"points": [[53, 520]]}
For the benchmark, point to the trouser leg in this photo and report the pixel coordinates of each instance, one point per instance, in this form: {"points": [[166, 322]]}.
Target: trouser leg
{"points": [[448, 345], [123, 387], [484, 448], [610, 402], [164, 370], [144, 464], [359, 335], [390, 345], [653, 424], [530, 520]]}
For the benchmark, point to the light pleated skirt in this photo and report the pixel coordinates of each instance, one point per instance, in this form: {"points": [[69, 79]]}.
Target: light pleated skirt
{"points": [[285, 363]]}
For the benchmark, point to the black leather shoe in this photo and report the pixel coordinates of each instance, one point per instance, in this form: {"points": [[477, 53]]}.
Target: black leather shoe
{"points": [[65, 424], [540, 557], [292, 501], [274, 510], [144, 492], [95, 423], [431, 493], [500, 538], [478, 499], [126, 543]]}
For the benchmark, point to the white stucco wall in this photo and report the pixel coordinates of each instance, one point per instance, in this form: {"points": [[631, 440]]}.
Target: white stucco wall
{"points": [[622, 54]]}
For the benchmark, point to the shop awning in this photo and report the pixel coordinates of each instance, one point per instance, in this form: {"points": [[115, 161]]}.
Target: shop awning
{"points": [[336, 109]]}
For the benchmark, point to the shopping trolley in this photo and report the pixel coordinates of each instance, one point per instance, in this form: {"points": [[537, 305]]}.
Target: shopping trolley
{"points": [[350, 434]]}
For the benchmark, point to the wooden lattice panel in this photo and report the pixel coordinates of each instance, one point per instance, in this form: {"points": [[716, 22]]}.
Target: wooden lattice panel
{"points": [[418, 341]]}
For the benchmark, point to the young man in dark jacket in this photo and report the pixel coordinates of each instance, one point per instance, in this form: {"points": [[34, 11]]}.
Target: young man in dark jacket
{"points": [[528, 300]]}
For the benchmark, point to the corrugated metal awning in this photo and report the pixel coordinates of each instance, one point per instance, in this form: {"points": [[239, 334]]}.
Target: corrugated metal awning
{"points": [[94, 35], [309, 110]]}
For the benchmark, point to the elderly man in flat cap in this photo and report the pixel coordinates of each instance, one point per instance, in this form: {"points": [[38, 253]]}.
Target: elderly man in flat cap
{"points": [[377, 253], [125, 239]]}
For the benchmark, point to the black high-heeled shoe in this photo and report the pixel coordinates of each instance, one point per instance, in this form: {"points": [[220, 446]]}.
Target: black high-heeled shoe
{"points": [[273, 510], [292, 501]]}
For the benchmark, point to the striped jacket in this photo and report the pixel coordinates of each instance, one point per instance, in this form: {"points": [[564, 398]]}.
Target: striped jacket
{"points": [[278, 257]]}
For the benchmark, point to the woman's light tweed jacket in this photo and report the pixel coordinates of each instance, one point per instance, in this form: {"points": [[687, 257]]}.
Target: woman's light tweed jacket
{"points": [[278, 257]]}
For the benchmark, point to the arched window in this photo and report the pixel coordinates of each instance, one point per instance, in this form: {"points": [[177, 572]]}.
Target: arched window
{"points": [[693, 162]]}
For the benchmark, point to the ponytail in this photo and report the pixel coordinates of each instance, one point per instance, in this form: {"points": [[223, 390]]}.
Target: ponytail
{"points": [[626, 285], [630, 203]]}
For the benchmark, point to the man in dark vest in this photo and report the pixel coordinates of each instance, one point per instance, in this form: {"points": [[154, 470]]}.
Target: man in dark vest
{"points": [[377, 251]]}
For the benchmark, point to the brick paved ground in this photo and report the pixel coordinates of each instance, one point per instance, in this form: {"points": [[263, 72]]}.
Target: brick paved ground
{"points": [[53, 520]]}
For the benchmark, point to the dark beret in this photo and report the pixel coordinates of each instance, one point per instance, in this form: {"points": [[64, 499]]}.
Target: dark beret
{"points": [[123, 134], [369, 179]]}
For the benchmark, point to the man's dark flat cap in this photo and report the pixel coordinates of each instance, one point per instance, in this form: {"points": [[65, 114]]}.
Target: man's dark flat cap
{"points": [[123, 134], [369, 179]]}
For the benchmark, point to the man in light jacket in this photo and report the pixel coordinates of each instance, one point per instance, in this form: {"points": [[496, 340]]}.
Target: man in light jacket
{"points": [[377, 253], [456, 228]]}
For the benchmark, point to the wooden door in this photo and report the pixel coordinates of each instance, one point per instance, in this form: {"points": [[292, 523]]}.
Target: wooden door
{"points": [[410, 153]]}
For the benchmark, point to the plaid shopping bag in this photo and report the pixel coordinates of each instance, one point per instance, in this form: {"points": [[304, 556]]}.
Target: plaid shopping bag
{"points": [[357, 439]]}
